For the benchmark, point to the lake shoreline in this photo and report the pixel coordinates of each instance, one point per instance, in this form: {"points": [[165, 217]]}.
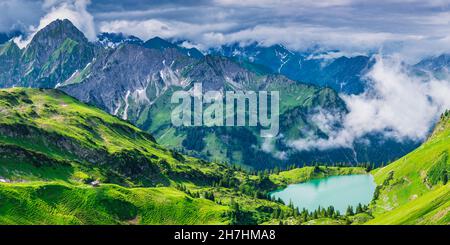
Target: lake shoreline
{"points": [[339, 191], [304, 174]]}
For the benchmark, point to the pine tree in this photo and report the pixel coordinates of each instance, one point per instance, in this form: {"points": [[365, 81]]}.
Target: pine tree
{"points": [[359, 208], [291, 205], [349, 211], [316, 168], [276, 213], [330, 211], [444, 177]]}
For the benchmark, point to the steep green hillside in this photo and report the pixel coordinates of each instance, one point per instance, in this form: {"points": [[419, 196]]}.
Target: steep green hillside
{"points": [[415, 189], [61, 203], [50, 129], [53, 149]]}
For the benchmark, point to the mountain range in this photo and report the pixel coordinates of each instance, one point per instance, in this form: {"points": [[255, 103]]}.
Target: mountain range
{"points": [[322, 68], [134, 80]]}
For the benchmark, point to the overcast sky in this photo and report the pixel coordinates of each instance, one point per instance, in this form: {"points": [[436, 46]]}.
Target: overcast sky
{"points": [[412, 27]]}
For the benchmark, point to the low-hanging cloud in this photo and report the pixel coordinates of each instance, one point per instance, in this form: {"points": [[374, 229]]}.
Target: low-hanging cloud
{"points": [[397, 104], [73, 10], [166, 29], [301, 36]]}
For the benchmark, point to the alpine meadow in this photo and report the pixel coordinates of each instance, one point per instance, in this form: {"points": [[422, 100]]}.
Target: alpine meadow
{"points": [[171, 113]]}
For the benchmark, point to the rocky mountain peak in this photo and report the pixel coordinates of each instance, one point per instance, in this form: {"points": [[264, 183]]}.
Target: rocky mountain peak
{"points": [[58, 31], [159, 43], [52, 37], [163, 44]]}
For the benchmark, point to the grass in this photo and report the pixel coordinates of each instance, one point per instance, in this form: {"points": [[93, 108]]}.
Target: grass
{"points": [[57, 126], [325, 221], [432, 207], [61, 203], [410, 189]]}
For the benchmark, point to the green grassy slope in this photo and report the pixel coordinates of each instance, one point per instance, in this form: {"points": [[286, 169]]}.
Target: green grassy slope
{"points": [[47, 134], [58, 203], [415, 188], [62, 203], [52, 147]]}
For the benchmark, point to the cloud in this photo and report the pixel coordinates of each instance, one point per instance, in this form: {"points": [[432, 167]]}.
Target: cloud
{"points": [[331, 55], [348, 26], [268, 146], [166, 29], [397, 105], [355, 26], [73, 10], [302, 37], [18, 14], [275, 3]]}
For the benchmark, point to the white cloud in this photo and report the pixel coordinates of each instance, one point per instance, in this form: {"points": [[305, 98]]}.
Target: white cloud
{"points": [[346, 25], [268, 146], [331, 55], [73, 10], [397, 105], [301, 36], [277, 3], [189, 45], [146, 29], [18, 14]]}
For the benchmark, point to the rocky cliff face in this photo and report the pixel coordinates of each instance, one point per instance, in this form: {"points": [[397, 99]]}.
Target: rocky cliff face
{"points": [[125, 75], [9, 64]]}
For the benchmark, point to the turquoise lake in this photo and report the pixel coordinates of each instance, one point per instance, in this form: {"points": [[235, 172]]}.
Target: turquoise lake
{"points": [[338, 191]]}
